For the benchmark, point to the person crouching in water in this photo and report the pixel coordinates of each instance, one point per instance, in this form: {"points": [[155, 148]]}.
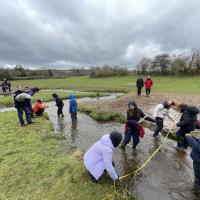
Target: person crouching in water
{"points": [[195, 155], [59, 104], [38, 108], [99, 156], [73, 107], [186, 125], [160, 112], [134, 114]]}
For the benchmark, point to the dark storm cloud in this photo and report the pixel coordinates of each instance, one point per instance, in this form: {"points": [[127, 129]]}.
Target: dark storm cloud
{"points": [[94, 32]]}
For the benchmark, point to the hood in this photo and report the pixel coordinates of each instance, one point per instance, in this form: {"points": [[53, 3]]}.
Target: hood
{"points": [[54, 95], [191, 109], [71, 96], [166, 105], [133, 103], [107, 141]]}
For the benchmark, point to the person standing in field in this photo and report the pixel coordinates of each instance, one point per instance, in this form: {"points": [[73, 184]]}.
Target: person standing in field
{"points": [[22, 107], [59, 104], [148, 84], [187, 124], [160, 112], [73, 107], [139, 85]]}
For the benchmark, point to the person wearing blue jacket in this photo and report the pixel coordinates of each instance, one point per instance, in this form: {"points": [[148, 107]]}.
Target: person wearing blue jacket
{"points": [[73, 107], [195, 155]]}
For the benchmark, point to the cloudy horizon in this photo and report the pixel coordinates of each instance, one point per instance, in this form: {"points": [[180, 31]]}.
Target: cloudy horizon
{"points": [[74, 33]]}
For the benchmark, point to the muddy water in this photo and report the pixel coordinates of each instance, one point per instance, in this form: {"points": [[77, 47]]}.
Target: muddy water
{"points": [[169, 176]]}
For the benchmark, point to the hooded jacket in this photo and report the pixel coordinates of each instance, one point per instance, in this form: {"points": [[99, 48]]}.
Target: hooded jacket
{"points": [[189, 118], [148, 83], [195, 144], [161, 110], [72, 104], [99, 158], [139, 83]]}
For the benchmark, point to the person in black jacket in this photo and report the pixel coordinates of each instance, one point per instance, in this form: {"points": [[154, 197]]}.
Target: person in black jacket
{"points": [[195, 155], [134, 114], [186, 125], [139, 85], [59, 104], [21, 107]]}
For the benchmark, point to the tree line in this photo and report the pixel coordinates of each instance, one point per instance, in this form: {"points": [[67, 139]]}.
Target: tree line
{"points": [[164, 64]]}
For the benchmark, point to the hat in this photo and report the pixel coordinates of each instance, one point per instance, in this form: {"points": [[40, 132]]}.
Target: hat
{"points": [[115, 138]]}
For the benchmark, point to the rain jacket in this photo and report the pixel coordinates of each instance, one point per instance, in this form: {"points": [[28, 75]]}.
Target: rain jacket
{"points": [[189, 118], [148, 83], [72, 104], [38, 106], [195, 144], [139, 83], [161, 110], [99, 158]]}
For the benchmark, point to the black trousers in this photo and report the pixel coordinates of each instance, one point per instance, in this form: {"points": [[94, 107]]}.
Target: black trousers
{"points": [[196, 167], [159, 126], [180, 137], [60, 111], [39, 112], [148, 91], [139, 90], [74, 116]]}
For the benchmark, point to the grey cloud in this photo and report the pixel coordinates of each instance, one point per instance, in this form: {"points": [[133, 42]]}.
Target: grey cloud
{"points": [[87, 32]]}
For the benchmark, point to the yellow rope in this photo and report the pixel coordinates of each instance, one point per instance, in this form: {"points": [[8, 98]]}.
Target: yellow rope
{"points": [[142, 166]]}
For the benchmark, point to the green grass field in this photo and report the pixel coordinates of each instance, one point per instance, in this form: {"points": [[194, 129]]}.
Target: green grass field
{"points": [[36, 163], [162, 84]]}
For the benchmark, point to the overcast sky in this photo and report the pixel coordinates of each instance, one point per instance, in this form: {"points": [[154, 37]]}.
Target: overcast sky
{"points": [[83, 33]]}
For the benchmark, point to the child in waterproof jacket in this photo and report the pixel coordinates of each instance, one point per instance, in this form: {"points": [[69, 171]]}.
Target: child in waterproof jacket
{"points": [[22, 107], [99, 156], [195, 155], [134, 114], [73, 107], [160, 112], [148, 84], [59, 104], [38, 108], [187, 124], [139, 85]]}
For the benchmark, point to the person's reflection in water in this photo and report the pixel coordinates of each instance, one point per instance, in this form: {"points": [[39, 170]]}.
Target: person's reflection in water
{"points": [[61, 124], [74, 131]]}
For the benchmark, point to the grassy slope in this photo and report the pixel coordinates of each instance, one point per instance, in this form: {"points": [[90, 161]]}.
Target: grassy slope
{"points": [[35, 164], [46, 96], [161, 84]]}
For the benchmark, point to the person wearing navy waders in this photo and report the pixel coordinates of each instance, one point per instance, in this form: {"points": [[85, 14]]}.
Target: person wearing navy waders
{"points": [[195, 155], [139, 85], [22, 107], [186, 125], [59, 104], [134, 114]]}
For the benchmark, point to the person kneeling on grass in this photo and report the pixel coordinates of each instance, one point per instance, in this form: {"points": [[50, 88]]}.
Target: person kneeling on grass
{"points": [[160, 112], [38, 108], [99, 156], [133, 129], [195, 155]]}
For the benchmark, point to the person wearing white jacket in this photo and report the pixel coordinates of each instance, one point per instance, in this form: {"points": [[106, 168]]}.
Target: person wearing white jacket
{"points": [[160, 112], [99, 156]]}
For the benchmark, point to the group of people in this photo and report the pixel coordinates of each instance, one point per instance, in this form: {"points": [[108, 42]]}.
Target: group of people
{"points": [[140, 83], [98, 158], [5, 85], [22, 102]]}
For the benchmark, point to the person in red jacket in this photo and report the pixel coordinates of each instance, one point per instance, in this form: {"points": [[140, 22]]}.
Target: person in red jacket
{"points": [[38, 108], [148, 84]]}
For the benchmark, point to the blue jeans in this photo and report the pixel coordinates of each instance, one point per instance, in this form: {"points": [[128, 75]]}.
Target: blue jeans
{"points": [[20, 112], [134, 134]]}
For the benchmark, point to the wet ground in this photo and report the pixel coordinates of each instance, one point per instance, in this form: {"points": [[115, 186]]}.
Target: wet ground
{"points": [[169, 176]]}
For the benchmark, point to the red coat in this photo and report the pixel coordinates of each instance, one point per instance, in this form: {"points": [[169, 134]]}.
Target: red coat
{"points": [[148, 83]]}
